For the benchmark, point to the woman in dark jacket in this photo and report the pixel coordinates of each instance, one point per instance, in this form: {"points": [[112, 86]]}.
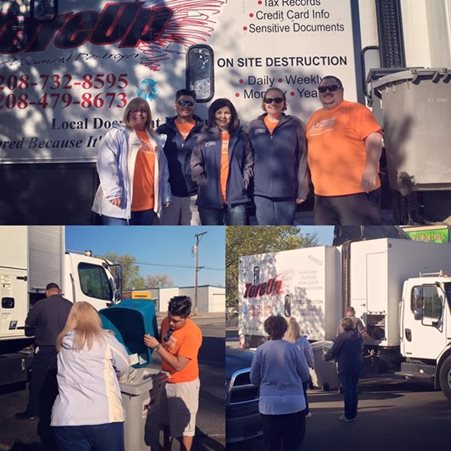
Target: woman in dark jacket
{"points": [[280, 165], [221, 165]]}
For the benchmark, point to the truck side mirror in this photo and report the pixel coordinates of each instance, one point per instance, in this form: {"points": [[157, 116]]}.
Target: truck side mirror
{"points": [[418, 313], [200, 72]]}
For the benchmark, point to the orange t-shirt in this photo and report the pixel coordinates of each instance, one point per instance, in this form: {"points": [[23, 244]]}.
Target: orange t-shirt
{"points": [[225, 139], [185, 127], [336, 148], [184, 342], [270, 124], [144, 175]]}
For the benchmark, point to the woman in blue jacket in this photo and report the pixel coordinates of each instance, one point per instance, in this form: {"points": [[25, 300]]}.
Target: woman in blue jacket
{"points": [[221, 165], [280, 165]]}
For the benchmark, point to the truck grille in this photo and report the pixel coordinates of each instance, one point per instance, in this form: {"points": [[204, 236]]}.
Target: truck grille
{"points": [[240, 389]]}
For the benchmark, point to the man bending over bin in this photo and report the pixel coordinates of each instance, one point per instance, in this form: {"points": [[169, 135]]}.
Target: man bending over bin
{"points": [[179, 348]]}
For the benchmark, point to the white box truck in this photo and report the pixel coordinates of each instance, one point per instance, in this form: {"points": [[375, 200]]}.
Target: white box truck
{"points": [[401, 289], [30, 258], [68, 69]]}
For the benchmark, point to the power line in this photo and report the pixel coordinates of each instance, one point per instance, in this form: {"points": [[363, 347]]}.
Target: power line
{"points": [[179, 266]]}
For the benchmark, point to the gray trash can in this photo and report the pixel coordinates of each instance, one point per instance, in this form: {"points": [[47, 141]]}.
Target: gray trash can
{"points": [[325, 373], [142, 391], [141, 400], [416, 107]]}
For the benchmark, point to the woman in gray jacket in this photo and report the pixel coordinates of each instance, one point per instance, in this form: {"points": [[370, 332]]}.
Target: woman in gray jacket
{"points": [[280, 165], [133, 170]]}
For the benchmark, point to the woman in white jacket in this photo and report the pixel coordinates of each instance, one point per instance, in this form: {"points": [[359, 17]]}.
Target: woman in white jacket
{"points": [[88, 413], [133, 170]]}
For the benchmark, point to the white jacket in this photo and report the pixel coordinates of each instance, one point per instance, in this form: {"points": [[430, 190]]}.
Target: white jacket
{"points": [[116, 167]]}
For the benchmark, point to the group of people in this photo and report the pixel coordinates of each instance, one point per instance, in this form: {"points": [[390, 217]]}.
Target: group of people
{"points": [[187, 172], [280, 368], [77, 366]]}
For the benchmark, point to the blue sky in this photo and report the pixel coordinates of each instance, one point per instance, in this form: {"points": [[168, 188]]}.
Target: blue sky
{"points": [[158, 246], [171, 246], [325, 234]]}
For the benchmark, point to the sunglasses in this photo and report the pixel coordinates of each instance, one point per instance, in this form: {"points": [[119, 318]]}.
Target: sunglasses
{"points": [[270, 100], [331, 88], [185, 103]]}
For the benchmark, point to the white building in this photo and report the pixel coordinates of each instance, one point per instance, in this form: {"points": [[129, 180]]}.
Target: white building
{"points": [[211, 299]]}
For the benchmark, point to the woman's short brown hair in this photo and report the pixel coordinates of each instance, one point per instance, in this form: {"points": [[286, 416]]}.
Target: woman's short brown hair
{"points": [[133, 105], [275, 327], [279, 91]]}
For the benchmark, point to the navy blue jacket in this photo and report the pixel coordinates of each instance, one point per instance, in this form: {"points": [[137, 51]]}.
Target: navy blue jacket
{"points": [[347, 351], [280, 161], [206, 168], [178, 153]]}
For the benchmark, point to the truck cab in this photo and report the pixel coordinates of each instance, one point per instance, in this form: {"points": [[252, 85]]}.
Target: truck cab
{"points": [[425, 329]]}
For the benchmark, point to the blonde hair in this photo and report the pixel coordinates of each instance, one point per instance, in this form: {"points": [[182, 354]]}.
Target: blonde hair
{"points": [[293, 332], [84, 320], [134, 104]]}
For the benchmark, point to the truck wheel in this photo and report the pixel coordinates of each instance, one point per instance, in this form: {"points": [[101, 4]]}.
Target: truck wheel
{"points": [[445, 377]]}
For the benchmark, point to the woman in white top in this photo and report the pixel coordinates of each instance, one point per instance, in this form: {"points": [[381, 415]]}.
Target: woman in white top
{"points": [[88, 413], [133, 170], [293, 335]]}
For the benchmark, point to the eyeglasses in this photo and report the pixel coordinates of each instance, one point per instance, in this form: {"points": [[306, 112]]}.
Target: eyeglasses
{"points": [[270, 100], [330, 88], [185, 103]]}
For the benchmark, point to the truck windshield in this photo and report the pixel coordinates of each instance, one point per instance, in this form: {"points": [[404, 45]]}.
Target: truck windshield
{"points": [[447, 286], [94, 282]]}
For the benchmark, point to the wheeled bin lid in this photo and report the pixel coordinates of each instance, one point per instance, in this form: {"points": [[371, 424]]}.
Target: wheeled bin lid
{"points": [[130, 320]]}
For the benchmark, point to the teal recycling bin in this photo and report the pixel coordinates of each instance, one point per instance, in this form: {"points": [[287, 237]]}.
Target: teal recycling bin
{"points": [[130, 320]]}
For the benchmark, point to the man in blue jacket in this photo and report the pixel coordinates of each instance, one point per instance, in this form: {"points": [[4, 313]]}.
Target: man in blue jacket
{"points": [[347, 351], [181, 132]]}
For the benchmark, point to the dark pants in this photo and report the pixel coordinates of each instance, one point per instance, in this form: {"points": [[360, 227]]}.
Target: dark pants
{"points": [[43, 392], [349, 386], [236, 215], [99, 437], [304, 388], [284, 432], [274, 211], [354, 209], [145, 217]]}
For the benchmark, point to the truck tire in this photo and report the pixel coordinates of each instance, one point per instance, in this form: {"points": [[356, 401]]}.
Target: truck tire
{"points": [[445, 377]]}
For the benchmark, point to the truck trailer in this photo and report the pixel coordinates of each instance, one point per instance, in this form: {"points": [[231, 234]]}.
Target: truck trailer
{"points": [[401, 289], [30, 258], [68, 70]]}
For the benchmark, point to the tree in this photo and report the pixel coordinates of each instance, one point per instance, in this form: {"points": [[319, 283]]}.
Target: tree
{"points": [[131, 278], [158, 281], [258, 240]]}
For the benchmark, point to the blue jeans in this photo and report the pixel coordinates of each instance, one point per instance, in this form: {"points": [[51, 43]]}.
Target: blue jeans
{"points": [[228, 215], [274, 211], [349, 383], [145, 217], [99, 437]]}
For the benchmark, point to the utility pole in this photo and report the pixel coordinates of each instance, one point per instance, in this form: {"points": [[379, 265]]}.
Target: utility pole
{"points": [[198, 237]]}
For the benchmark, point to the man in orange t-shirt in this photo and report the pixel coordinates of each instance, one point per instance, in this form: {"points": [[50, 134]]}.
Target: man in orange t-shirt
{"points": [[179, 348], [344, 143]]}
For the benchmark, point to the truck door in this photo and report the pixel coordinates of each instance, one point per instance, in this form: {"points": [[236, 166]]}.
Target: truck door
{"points": [[89, 281], [13, 302], [423, 325]]}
